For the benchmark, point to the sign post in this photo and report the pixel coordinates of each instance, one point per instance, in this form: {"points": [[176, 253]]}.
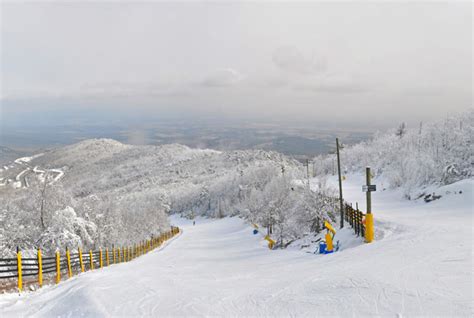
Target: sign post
{"points": [[369, 218]]}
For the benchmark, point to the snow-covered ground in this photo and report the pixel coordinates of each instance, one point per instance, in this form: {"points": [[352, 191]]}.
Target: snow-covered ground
{"points": [[419, 265]]}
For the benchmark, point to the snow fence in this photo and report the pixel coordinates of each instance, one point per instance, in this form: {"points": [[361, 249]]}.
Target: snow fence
{"points": [[356, 219], [18, 272]]}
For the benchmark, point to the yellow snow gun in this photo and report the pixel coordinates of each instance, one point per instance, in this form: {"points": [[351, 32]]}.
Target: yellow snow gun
{"points": [[271, 242], [331, 232]]}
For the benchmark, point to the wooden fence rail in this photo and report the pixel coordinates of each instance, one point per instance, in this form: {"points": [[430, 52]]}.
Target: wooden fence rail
{"points": [[355, 218], [34, 270]]}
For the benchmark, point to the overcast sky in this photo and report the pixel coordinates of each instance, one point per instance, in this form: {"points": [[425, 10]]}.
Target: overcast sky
{"points": [[338, 62]]}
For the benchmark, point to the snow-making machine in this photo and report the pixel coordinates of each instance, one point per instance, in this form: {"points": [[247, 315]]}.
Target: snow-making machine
{"points": [[327, 246]]}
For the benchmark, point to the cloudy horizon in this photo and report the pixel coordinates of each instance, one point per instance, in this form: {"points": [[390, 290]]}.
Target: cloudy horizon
{"points": [[361, 63]]}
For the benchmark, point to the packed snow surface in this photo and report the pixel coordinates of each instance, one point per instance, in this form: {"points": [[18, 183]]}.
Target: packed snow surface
{"points": [[420, 264]]}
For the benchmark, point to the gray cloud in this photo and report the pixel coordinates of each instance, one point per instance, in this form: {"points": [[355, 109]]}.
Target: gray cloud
{"points": [[291, 59], [222, 77]]}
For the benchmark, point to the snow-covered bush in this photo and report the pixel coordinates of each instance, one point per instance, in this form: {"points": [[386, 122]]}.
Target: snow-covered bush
{"points": [[67, 230]]}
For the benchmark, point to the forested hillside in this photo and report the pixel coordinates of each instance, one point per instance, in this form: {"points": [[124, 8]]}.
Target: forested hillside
{"points": [[430, 155], [101, 192]]}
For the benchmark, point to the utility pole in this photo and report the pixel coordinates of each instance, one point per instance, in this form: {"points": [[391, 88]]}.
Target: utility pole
{"points": [[341, 203], [368, 194]]}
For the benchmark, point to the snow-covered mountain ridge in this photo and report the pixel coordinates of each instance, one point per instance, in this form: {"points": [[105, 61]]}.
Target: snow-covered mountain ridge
{"points": [[126, 191]]}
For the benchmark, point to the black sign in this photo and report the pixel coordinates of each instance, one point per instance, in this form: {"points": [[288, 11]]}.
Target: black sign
{"points": [[369, 188]]}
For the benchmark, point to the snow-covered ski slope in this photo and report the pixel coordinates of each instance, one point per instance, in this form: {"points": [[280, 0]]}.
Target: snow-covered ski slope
{"points": [[420, 265]]}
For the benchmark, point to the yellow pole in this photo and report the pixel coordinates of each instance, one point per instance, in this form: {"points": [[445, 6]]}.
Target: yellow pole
{"points": [[81, 262], [58, 267], [68, 258], [107, 256], [118, 254], [113, 251], [124, 254], [101, 263], [91, 262], [40, 268], [369, 218], [20, 271], [369, 227]]}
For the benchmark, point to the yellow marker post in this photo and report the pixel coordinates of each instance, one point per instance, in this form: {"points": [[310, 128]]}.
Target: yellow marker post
{"points": [[91, 260], [101, 262], [107, 260], [58, 267], [81, 262], [369, 218], [20, 271], [118, 255], [369, 227], [124, 254], [40, 268], [113, 253], [68, 259]]}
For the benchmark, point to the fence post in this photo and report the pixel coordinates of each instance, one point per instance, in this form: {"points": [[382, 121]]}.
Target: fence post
{"points": [[107, 260], [101, 263], [118, 255], [91, 262], [81, 262], [20, 272], [68, 258], [40, 268], [113, 252], [58, 267], [124, 249]]}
